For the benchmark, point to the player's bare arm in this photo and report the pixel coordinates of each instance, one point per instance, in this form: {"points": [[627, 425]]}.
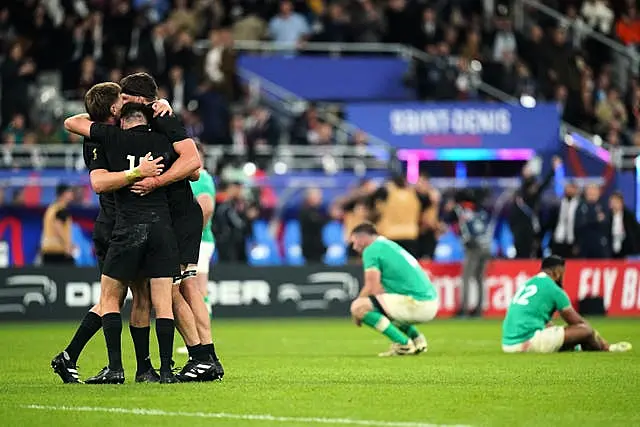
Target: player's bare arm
{"points": [[188, 163], [372, 283], [103, 181], [80, 124], [207, 205]]}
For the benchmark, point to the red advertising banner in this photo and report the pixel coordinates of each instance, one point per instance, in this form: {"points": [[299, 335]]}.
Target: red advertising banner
{"points": [[616, 281]]}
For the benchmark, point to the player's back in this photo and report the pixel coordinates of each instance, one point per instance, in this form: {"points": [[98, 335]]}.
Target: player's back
{"points": [[124, 150], [531, 308], [400, 272]]}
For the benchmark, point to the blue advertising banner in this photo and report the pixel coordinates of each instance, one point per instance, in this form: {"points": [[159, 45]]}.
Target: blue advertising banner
{"points": [[323, 78], [459, 125]]}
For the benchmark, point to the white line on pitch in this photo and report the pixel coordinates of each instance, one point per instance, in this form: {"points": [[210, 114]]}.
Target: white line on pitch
{"points": [[246, 417]]}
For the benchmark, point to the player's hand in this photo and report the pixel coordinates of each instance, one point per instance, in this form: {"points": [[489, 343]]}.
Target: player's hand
{"points": [[357, 321], [161, 108], [145, 186], [150, 166]]}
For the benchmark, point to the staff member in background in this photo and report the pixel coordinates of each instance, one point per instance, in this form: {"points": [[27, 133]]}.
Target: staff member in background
{"points": [[232, 224], [56, 246], [399, 210], [624, 230], [476, 232], [312, 219], [524, 219], [563, 223], [592, 234]]}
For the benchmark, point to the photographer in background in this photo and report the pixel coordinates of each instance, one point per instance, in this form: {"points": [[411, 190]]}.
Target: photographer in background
{"points": [[476, 232]]}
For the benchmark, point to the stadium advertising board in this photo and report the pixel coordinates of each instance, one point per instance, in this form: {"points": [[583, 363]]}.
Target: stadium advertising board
{"points": [[459, 125], [66, 294]]}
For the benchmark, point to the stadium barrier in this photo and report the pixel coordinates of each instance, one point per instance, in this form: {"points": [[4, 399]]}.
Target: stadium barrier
{"points": [[62, 293]]}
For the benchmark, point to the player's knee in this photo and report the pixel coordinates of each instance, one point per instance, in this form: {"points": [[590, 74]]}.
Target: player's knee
{"points": [[586, 330], [360, 307]]}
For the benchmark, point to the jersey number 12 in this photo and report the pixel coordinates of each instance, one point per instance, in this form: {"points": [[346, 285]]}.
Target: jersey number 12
{"points": [[132, 160], [524, 293]]}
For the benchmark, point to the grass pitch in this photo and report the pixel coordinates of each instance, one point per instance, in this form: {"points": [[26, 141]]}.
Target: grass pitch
{"points": [[325, 372]]}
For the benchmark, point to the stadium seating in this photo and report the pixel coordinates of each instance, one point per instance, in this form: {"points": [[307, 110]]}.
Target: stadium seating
{"points": [[333, 239], [292, 240]]}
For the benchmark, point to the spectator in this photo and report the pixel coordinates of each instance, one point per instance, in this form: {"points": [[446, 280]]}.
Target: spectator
{"points": [[597, 15], [532, 51], [238, 134], [181, 55], [312, 220], [334, 26], [184, 18], [429, 33], [591, 226], [305, 126], [56, 246], [504, 44], [153, 52], [180, 92], [367, 22], [400, 18], [251, 27], [609, 109], [472, 49], [563, 222], [628, 28], [624, 230], [289, 27], [17, 72], [89, 76], [262, 129], [220, 64], [16, 129]]}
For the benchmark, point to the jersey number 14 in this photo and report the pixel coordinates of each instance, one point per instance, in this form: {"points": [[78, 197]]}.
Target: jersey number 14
{"points": [[524, 293]]}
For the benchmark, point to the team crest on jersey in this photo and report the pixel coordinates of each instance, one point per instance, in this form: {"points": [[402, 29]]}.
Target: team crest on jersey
{"points": [[95, 154]]}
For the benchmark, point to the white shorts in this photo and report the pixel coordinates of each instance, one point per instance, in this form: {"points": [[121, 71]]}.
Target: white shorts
{"points": [[405, 309], [548, 340], [204, 258]]}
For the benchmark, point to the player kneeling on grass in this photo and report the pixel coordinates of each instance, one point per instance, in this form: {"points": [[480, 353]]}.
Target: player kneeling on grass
{"points": [[397, 293], [527, 327]]}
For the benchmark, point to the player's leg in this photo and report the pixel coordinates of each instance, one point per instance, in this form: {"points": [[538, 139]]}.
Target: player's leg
{"points": [[140, 329], [407, 312], [161, 301], [370, 312], [190, 289], [112, 291], [186, 324], [64, 364], [590, 340], [479, 274]]}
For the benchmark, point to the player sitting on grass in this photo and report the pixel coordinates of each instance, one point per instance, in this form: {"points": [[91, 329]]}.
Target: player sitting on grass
{"points": [[396, 294], [527, 327]]}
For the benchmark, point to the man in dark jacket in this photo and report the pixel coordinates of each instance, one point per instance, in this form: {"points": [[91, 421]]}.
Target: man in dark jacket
{"points": [[623, 228], [312, 220], [232, 225], [592, 235], [524, 218]]}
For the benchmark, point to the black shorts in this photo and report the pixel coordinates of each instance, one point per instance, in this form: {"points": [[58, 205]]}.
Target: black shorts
{"points": [[101, 237], [188, 229], [142, 251]]}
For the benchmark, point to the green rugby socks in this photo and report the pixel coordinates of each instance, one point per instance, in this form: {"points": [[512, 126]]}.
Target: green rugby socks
{"points": [[381, 323], [410, 330]]}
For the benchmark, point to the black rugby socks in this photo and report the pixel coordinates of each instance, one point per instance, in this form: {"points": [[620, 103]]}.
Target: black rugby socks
{"points": [[140, 337], [90, 325], [164, 332], [112, 327]]}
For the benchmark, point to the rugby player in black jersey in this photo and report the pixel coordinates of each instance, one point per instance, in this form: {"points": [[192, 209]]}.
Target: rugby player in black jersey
{"points": [[104, 106], [199, 368], [186, 212], [143, 243]]}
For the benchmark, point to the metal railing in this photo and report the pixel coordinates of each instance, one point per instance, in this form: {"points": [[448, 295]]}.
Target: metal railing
{"points": [[291, 157]]}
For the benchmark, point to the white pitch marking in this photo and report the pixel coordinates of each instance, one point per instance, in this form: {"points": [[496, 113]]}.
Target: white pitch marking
{"points": [[246, 417]]}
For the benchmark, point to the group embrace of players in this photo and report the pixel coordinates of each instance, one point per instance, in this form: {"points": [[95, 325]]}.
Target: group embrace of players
{"points": [[147, 235]]}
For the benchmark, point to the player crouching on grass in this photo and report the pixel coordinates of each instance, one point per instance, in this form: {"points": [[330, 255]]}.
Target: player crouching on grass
{"points": [[397, 293], [527, 327]]}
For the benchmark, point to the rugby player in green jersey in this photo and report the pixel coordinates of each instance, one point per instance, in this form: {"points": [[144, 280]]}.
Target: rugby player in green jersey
{"points": [[397, 294], [528, 328]]}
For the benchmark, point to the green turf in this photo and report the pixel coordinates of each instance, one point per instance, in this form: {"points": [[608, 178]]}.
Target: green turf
{"points": [[329, 369]]}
